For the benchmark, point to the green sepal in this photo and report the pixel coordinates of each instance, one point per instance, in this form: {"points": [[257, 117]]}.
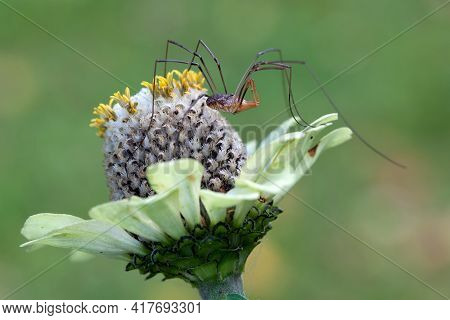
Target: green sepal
{"points": [[235, 296], [208, 253], [206, 272]]}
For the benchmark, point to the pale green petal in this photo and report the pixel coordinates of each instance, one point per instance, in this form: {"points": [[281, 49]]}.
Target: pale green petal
{"points": [[291, 122], [128, 215], [264, 156], [327, 118], [216, 203], [42, 224], [279, 159], [256, 186], [243, 207], [184, 175], [251, 147], [163, 210], [92, 237], [269, 184], [79, 256], [335, 138], [332, 139], [283, 158], [279, 131], [274, 160]]}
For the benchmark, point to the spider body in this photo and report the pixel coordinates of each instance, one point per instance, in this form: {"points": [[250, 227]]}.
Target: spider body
{"points": [[221, 102], [227, 102]]}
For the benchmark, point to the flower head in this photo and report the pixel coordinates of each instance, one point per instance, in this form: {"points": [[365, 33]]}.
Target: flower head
{"points": [[133, 141], [187, 231], [190, 200]]}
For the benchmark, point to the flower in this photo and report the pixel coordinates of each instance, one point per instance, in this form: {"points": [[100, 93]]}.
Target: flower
{"points": [[124, 100], [179, 222], [133, 141]]}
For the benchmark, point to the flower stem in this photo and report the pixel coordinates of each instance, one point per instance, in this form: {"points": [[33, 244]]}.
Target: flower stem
{"points": [[229, 288]]}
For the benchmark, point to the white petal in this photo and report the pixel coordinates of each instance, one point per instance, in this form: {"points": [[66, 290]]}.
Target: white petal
{"points": [[264, 156], [325, 119], [129, 216], [268, 171], [185, 175], [42, 224], [79, 256], [265, 189], [163, 210], [288, 124], [332, 139], [275, 164], [283, 158], [335, 138], [251, 147], [92, 237], [216, 203], [243, 207], [279, 131]]}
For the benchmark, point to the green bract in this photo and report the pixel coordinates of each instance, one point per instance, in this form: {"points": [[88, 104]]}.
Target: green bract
{"points": [[184, 231]]}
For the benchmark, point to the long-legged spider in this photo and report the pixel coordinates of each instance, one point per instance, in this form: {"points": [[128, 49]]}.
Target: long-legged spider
{"points": [[232, 103], [235, 102]]}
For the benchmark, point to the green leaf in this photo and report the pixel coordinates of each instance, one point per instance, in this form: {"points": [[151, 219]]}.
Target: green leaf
{"points": [[128, 215], [92, 237], [216, 203], [185, 175]]}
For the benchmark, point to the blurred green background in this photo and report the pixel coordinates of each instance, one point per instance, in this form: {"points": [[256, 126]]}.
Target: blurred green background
{"points": [[51, 161]]}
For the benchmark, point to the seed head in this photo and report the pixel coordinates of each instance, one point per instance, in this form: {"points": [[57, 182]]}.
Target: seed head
{"points": [[133, 141]]}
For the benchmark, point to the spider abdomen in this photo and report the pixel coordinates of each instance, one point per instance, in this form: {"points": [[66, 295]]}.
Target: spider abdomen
{"points": [[221, 102]]}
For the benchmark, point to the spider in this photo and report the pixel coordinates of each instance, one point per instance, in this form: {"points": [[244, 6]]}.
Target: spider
{"points": [[235, 102]]}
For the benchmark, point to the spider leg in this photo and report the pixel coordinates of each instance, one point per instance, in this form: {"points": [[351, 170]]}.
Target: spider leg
{"points": [[254, 92], [194, 55], [338, 110], [274, 65], [250, 104], [252, 69], [259, 54], [154, 77], [216, 61], [265, 51], [284, 76]]}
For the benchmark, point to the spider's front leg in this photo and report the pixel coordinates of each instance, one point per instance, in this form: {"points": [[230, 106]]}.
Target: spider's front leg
{"points": [[241, 104]]}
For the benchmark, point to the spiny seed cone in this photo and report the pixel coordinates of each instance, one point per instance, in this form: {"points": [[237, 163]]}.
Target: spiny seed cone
{"points": [[132, 142]]}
